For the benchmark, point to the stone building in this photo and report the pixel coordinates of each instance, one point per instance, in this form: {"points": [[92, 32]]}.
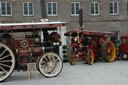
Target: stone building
{"points": [[98, 15], [12, 11]]}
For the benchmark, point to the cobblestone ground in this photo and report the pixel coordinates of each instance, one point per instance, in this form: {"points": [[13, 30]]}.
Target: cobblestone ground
{"points": [[100, 73]]}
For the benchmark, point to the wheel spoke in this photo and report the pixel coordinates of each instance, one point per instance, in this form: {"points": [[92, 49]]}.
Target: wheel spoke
{"points": [[3, 52], [5, 61], [3, 69], [5, 57], [43, 66], [5, 65], [46, 58]]}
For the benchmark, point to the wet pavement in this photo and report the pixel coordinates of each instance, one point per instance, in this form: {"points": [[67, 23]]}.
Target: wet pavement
{"points": [[100, 73]]}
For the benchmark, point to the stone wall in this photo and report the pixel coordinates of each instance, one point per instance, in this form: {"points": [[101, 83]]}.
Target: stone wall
{"points": [[17, 12], [102, 22]]}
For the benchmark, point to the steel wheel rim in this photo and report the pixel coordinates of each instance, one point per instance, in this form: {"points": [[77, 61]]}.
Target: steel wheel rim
{"points": [[125, 56], [7, 62], [73, 57], [110, 51], [50, 64]]}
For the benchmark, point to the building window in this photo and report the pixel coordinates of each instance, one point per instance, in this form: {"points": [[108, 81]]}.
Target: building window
{"points": [[95, 10], [52, 9], [6, 9], [28, 9], [75, 6], [114, 9]]}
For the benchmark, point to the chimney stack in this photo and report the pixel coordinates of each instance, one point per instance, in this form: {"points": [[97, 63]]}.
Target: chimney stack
{"points": [[81, 18], [43, 9]]}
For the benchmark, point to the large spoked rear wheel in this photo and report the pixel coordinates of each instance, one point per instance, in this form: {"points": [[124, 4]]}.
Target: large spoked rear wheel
{"points": [[108, 51], [90, 55], [71, 56], [50, 65], [7, 62]]}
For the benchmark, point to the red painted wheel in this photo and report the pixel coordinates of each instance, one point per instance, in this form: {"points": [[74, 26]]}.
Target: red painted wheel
{"points": [[108, 51], [90, 55], [72, 56]]}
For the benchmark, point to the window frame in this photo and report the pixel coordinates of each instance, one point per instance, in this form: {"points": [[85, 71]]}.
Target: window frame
{"points": [[114, 9], [28, 9], [52, 9], [5, 9], [95, 8], [75, 9]]}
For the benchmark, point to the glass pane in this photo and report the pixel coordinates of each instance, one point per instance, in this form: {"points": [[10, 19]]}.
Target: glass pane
{"points": [[2, 4], [49, 8], [92, 12], [77, 5], [54, 4], [54, 11], [92, 4], [8, 5], [54, 8], [111, 4], [111, 12], [96, 6], [25, 12], [77, 11], [49, 12], [115, 4], [25, 4], [92, 8], [97, 12], [111, 8], [3, 8], [8, 12], [25, 8], [115, 8], [30, 4], [72, 8], [3, 12], [8, 8], [30, 8], [73, 12], [30, 12]]}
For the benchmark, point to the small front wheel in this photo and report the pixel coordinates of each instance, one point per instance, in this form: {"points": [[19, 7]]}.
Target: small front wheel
{"points": [[72, 56], [124, 55], [90, 55], [50, 65]]}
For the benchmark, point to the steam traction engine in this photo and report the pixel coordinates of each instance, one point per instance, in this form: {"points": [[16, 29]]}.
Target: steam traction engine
{"points": [[17, 51], [89, 46]]}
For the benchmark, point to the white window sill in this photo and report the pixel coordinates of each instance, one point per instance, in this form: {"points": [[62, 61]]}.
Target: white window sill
{"points": [[94, 14], [74, 15], [52, 15]]}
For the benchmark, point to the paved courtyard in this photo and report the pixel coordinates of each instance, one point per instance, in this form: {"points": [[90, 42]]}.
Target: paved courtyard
{"points": [[100, 73]]}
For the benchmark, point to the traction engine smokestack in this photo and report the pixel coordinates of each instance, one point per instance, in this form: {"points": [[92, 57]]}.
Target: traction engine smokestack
{"points": [[81, 18]]}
